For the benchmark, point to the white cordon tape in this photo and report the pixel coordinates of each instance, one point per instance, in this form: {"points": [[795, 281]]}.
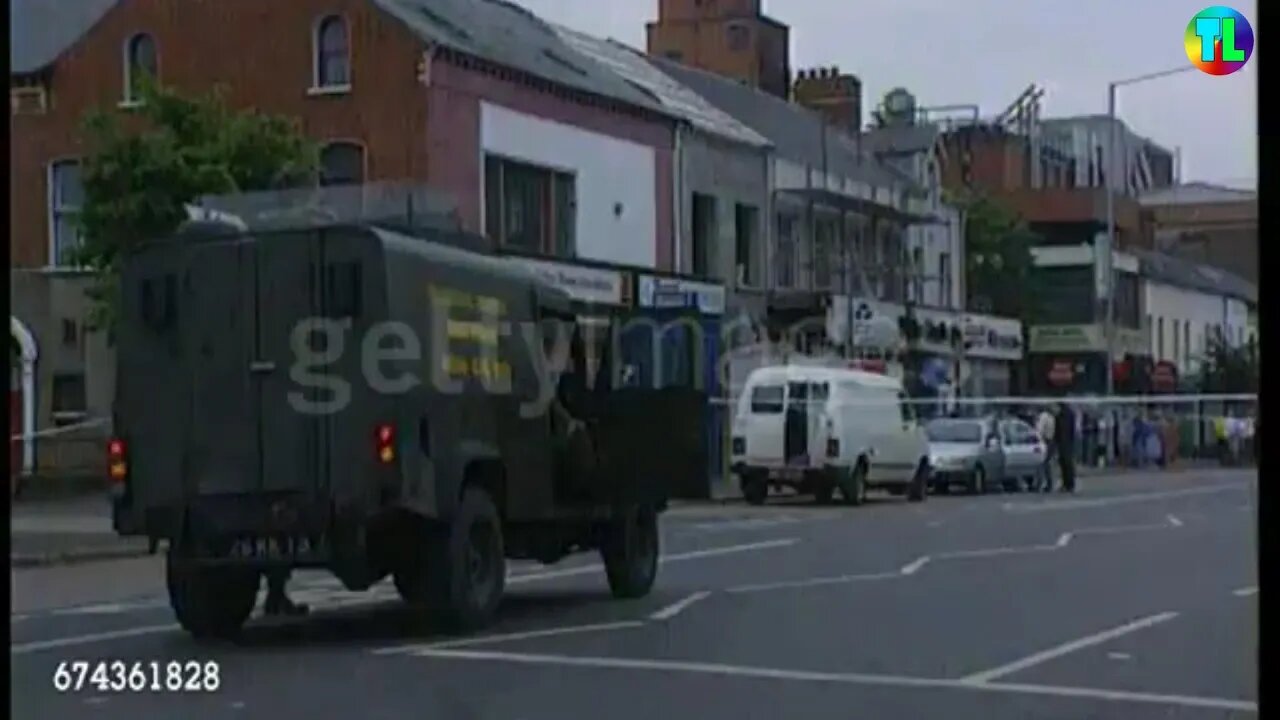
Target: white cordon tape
{"points": [[54, 432], [1040, 401]]}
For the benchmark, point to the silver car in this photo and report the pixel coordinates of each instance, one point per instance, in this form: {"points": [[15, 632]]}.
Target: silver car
{"points": [[966, 452], [1025, 454]]}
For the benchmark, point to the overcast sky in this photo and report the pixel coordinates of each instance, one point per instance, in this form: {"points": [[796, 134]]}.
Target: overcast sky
{"points": [[987, 51]]}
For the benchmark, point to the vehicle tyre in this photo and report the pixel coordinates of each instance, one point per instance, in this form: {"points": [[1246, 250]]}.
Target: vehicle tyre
{"points": [[755, 490], [824, 492], [465, 569], [854, 486], [978, 481], [918, 491], [1010, 485], [630, 551], [210, 602]]}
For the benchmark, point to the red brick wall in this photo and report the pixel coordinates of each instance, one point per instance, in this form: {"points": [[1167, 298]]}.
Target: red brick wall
{"points": [[262, 52]]}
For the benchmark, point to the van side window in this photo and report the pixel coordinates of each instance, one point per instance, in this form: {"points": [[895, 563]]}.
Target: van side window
{"points": [[343, 289], [798, 393], [908, 412], [766, 399]]}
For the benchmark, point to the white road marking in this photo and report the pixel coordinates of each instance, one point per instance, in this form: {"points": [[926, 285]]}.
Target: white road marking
{"points": [[678, 557], [744, 524], [1064, 539], [994, 552], [915, 566], [676, 608], [1117, 499], [1119, 656], [420, 648], [813, 582], [237, 705], [96, 700], [1174, 521], [703, 668], [1067, 648], [30, 647], [934, 523], [1246, 592], [99, 609]]}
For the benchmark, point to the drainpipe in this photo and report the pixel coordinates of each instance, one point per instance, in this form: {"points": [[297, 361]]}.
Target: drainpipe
{"points": [[30, 353], [677, 195]]}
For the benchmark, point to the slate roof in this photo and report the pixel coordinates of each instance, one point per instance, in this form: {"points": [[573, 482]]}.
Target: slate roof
{"points": [[1194, 276], [795, 131], [41, 30], [509, 35], [631, 65]]}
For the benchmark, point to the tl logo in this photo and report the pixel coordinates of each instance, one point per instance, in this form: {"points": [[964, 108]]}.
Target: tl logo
{"points": [[1219, 40]]}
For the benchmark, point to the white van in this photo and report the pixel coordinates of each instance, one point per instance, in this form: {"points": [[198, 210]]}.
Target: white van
{"points": [[818, 429]]}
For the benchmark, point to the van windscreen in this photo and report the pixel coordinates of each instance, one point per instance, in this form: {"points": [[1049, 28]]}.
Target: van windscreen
{"points": [[766, 399]]}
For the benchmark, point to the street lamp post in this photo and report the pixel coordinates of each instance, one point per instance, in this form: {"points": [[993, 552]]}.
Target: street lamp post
{"points": [[1105, 249]]}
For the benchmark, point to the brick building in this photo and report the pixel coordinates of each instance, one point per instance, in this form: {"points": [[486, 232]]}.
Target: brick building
{"points": [[478, 98], [732, 38], [1208, 224]]}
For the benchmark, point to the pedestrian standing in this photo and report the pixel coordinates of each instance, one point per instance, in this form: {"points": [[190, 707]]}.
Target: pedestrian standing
{"points": [[1065, 435], [1045, 428]]}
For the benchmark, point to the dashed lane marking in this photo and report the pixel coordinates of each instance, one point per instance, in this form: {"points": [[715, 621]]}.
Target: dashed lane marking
{"points": [[680, 606], [1050, 506]]}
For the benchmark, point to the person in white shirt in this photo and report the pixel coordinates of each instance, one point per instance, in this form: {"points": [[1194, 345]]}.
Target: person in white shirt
{"points": [[1045, 426]]}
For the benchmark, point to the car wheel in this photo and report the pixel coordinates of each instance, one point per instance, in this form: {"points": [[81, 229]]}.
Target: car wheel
{"points": [[755, 490], [630, 552], [466, 569], [209, 601], [978, 481]]}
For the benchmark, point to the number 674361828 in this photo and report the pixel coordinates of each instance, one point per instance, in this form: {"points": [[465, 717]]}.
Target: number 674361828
{"points": [[118, 676]]}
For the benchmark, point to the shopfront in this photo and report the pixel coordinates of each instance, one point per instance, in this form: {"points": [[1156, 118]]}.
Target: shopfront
{"points": [[1083, 348], [993, 346]]}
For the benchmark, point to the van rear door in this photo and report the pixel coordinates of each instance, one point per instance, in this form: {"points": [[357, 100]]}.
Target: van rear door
{"points": [[761, 424]]}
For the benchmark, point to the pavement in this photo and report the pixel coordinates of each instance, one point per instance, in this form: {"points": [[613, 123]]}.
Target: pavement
{"points": [[1135, 598]]}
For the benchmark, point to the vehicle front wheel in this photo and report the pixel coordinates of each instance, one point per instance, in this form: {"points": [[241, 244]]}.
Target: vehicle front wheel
{"points": [[210, 601], [853, 488], [630, 551], [918, 491]]}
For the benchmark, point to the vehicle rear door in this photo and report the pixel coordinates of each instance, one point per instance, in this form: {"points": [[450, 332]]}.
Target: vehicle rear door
{"points": [[761, 424]]}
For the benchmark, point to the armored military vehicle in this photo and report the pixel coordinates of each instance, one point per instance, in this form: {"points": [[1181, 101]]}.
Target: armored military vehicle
{"points": [[346, 397]]}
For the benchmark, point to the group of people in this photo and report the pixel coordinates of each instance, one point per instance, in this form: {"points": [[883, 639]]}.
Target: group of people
{"points": [[1057, 428]]}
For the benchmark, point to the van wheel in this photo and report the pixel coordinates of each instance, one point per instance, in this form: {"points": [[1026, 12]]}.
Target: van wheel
{"points": [[854, 487], [755, 490], [824, 491], [978, 481], [630, 552], [465, 568], [209, 601], [918, 491]]}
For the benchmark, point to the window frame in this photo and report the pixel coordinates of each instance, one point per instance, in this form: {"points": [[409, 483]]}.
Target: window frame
{"points": [[128, 98], [349, 143], [53, 210], [559, 236], [318, 86]]}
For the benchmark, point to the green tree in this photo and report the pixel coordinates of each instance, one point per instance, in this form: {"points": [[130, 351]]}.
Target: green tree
{"points": [[138, 176], [1229, 370], [999, 275]]}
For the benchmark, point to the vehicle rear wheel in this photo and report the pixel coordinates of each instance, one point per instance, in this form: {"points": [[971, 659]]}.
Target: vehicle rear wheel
{"points": [[824, 491], [209, 601], [918, 491], [630, 551], [755, 490], [854, 486], [978, 481], [463, 573]]}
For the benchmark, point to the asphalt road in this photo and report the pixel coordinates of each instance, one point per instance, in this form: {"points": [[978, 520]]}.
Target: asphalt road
{"points": [[1135, 598]]}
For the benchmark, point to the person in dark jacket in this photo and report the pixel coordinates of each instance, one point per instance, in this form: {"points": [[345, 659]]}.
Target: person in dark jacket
{"points": [[1065, 438]]}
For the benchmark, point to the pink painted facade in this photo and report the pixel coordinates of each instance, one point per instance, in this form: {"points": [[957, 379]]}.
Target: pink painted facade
{"points": [[454, 156]]}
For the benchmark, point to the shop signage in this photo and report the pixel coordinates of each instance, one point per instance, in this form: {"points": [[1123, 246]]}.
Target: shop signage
{"points": [[1067, 339], [998, 338], [586, 284], [1164, 377], [669, 293], [875, 323], [1062, 373]]}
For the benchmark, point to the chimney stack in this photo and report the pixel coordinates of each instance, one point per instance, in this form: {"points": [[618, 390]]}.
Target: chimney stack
{"points": [[836, 96]]}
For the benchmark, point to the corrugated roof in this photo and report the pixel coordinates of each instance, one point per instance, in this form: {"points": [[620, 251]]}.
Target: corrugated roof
{"points": [[509, 35], [795, 131], [680, 100], [41, 30], [1194, 276], [1195, 193]]}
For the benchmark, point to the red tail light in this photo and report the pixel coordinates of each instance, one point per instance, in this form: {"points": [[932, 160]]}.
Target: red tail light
{"points": [[385, 443], [117, 461]]}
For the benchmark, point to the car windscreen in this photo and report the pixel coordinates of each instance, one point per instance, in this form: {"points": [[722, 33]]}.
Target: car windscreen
{"points": [[966, 431], [767, 399]]}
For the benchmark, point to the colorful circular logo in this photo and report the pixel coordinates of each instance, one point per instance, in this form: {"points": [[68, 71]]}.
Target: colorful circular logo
{"points": [[1219, 40]]}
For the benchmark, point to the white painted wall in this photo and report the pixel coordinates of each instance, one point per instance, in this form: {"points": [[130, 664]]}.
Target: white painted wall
{"points": [[609, 172], [1178, 306]]}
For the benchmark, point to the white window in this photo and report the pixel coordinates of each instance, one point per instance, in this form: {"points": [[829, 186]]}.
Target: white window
{"points": [[342, 163], [66, 195], [140, 61], [331, 60]]}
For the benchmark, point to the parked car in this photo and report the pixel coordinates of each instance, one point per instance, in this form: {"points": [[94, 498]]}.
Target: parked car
{"points": [[967, 452], [818, 430], [1024, 454]]}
